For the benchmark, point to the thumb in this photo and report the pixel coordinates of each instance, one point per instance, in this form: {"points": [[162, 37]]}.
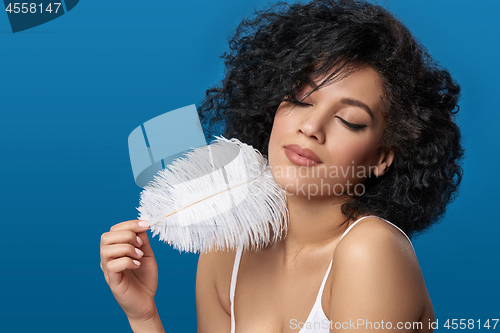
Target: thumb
{"points": [[145, 247]]}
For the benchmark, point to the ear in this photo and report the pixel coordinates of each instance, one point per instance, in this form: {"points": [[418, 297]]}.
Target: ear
{"points": [[385, 160]]}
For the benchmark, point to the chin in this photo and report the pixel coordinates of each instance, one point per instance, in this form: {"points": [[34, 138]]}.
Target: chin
{"points": [[318, 187]]}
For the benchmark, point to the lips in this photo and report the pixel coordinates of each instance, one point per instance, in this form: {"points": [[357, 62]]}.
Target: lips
{"points": [[300, 155]]}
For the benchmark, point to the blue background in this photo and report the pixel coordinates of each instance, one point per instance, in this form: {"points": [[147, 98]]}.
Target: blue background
{"points": [[72, 90]]}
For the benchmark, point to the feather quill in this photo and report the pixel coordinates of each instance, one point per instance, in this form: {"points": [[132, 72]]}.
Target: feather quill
{"points": [[216, 197]]}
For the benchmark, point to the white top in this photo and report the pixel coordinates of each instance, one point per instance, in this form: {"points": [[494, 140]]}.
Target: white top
{"points": [[316, 322]]}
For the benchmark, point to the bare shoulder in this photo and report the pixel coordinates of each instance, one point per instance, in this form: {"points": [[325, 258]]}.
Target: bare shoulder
{"points": [[213, 279], [375, 274], [372, 237], [216, 263]]}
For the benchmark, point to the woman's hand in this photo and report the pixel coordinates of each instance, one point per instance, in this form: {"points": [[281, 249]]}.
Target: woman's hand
{"points": [[130, 269]]}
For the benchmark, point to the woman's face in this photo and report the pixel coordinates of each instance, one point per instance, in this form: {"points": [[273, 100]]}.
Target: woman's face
{"points": [[342, 126]]}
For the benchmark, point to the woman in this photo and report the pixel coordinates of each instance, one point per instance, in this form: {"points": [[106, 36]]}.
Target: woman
{"points": [[357, 122]]}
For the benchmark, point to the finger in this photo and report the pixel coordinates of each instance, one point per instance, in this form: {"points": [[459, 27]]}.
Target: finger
{"points": [[103, 269], [134, 225], [114, 251], [115, 269], [120, 237]]}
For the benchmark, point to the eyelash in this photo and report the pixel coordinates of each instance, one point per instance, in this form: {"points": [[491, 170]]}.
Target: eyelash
{"points": [[355, 127]]}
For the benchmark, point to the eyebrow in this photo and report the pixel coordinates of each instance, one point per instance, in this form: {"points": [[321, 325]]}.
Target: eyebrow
{"points": [[355, 102]]}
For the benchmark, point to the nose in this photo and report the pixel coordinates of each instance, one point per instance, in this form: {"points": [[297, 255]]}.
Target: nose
{"points": [[313, 124]]}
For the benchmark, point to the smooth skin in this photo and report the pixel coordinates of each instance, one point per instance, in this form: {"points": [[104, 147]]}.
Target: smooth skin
{"points": [[375, 274]]}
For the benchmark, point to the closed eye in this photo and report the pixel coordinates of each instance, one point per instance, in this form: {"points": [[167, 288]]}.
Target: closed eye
{"points": [[300, 103], [353, 126]]}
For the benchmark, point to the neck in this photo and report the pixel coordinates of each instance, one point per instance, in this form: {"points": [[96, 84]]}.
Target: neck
{"points": [[313, 223]]}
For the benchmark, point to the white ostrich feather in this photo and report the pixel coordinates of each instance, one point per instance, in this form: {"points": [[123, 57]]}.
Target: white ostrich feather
{"points": [[216, 197]]}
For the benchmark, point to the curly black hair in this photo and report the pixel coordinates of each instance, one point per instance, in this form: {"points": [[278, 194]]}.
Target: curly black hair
{"points": [[277, 50]]}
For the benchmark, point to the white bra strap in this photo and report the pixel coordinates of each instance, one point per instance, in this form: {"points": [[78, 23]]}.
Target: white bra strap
{"points": [[236, 266], [320, 293]]}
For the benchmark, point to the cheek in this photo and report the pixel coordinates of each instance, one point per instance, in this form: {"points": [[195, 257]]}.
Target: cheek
{"points": [[280, 128], [278, 161], [352, 160], [353, 150]]}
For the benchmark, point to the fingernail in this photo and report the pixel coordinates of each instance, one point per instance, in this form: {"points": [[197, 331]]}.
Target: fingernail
{"points": [[144, 224], [139, 252], [137, 262], [139, 240]]}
